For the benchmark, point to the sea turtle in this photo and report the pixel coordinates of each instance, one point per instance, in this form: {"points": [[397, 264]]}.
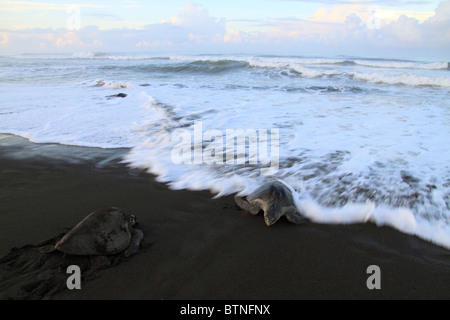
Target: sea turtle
{"points": [[103, 232], [275, 199]]}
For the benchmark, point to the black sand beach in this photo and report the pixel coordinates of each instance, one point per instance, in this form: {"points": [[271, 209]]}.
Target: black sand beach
{"points": [[197, 247]]}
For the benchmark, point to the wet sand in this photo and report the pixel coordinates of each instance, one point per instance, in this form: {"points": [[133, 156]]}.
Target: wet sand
{"points": [[195, 247]]}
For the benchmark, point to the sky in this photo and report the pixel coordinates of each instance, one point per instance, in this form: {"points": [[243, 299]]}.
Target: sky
{"points": [[372, 28]]}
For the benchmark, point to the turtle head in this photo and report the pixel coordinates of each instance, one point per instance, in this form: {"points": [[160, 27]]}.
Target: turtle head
{"points": [[272, 213], [274, 208], [132, 220]]}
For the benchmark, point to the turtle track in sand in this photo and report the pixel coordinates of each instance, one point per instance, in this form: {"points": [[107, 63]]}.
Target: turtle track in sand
{"points": [[28, 274]]}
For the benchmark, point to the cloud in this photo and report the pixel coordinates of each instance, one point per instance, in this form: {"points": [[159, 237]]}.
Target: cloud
{"points": [[362, 29], [442, 12], [433, 33], [132, 4], [103, 16], [4, 39], [338, 13], [199, 22], [367, 2], [353, 22], [344, 28], [193, 25], [20, 6]]}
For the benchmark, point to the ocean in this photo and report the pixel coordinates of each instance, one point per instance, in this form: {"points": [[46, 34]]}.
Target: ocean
{"points": [[357, 139]]}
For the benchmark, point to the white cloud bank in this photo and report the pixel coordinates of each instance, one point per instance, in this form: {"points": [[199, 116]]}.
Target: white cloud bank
{"points": [[350, 29]]}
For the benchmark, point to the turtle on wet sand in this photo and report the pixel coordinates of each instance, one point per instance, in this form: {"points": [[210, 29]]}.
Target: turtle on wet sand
{"points": [[104, 232], [275, 199]]}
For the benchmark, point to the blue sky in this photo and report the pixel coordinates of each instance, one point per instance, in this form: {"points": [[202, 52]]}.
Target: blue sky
{"points": [[367, 27]]}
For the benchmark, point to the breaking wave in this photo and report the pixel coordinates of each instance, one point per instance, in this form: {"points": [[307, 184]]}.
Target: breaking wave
{"points": [[361, 140], [326, 191]]}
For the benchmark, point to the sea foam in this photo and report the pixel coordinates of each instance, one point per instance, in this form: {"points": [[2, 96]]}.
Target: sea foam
{"points": [[361, 140]]}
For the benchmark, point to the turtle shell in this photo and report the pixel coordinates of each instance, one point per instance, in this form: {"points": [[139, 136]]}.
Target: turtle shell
{"points": [[273, 192], [103, 232]]}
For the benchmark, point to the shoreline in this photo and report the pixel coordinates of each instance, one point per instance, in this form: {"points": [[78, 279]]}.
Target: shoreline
{"points": [[199, 247]]}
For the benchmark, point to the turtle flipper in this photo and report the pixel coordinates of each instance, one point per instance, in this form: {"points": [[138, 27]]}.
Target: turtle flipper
{"points": [[245, 205], [293, 216], [136, 238], [47, 249]]}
